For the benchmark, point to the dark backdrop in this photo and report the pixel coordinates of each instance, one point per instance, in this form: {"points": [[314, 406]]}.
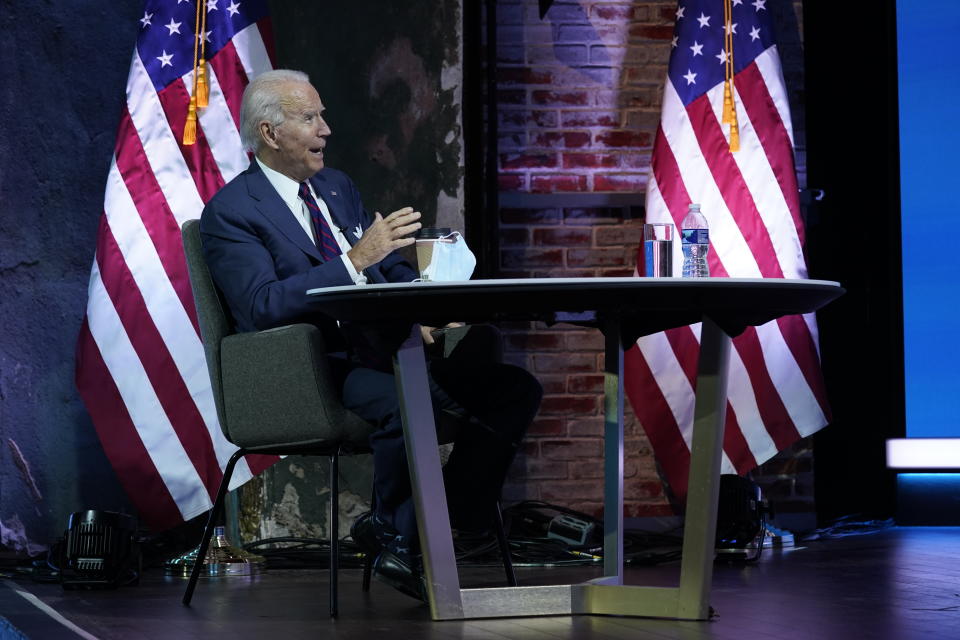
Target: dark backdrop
{"points": [[854, 237]]}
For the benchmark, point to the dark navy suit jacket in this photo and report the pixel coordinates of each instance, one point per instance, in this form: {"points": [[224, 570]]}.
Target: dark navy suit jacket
{"points": [[263, 262]]}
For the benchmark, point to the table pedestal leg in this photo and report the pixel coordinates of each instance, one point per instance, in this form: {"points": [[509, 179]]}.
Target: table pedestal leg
{"points": [[426, 479], [613, 455], [699, 539]]}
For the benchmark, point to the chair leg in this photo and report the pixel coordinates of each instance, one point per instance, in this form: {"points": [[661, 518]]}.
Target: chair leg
{"points": [[215, 512], [504, 546], [334, 531], [368, 560]]}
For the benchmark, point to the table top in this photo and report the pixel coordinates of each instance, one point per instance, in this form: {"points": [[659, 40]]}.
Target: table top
{"points": [[643, 305]]}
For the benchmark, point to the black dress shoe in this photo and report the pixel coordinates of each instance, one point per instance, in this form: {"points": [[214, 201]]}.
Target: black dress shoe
{"points": [[372, 534], [402, 572]]}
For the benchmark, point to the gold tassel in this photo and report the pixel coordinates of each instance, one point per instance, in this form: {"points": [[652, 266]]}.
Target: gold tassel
{"points": [[734, 136], [727, 103], [190, 128], [203, 91]]}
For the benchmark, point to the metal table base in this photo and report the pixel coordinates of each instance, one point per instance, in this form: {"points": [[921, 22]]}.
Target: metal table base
{"points": [[606, 595]]}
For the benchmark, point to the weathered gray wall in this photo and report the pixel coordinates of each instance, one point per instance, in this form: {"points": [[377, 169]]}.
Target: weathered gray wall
{"points": [[63, 70]]}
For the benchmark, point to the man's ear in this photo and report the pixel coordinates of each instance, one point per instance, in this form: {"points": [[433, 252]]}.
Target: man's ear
{"points": [[268, 133]]}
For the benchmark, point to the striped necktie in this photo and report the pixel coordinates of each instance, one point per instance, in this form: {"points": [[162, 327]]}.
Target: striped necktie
{"points": [[326, 242]]}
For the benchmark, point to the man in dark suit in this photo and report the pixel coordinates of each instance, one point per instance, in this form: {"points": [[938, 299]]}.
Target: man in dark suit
{"points": [[289, 224]]}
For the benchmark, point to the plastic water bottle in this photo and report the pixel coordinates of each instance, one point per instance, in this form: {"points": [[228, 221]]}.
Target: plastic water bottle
{"points": [[695, 239]]}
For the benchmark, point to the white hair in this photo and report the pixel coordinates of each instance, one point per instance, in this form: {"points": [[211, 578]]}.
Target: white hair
{"points": [[262, 101]]}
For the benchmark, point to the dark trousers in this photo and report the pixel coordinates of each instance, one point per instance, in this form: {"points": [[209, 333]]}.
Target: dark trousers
{"points": [[496, 403]]}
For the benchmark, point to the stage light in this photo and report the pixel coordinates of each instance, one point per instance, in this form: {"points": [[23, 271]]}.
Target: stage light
{"points": [[923, 453]]}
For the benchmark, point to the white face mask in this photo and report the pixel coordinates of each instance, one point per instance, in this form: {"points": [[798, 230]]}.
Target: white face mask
{"points": [[451, 261]]}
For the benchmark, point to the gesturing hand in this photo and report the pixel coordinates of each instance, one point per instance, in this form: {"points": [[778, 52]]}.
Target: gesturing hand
{"points": [[384, 236]]}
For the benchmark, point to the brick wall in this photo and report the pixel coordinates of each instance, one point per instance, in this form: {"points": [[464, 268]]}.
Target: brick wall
{"points": [[579, 104]]}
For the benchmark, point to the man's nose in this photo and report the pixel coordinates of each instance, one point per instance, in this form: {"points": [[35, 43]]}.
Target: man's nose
{"points": [[324, 128]]}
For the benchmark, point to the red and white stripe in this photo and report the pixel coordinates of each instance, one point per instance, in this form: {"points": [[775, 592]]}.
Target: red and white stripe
{"points": [[140, 362], [751, 203]]}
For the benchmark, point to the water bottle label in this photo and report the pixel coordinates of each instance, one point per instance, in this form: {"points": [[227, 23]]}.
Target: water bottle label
{"points": [[695, 236]]}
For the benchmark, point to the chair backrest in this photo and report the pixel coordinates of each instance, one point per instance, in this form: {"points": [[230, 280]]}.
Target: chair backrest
{"points": [[215, 322]]}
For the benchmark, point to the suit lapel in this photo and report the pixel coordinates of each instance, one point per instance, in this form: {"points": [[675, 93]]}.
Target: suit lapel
{"points": [[272, 207]]}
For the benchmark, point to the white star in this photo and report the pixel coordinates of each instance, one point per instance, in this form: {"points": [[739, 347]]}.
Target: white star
{"points": [[206, 36], [691, 77], [173, 26], [731, 29], [703, 20], [754, 34], [179, 1], [722, 57], [737, 2], [697, 48], [680, 11], [759, 4], [211, 5], [165, 59], [674, 43], [234, 7], [145, 20]]}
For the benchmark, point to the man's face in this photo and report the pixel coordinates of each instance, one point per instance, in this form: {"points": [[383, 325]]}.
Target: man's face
{"points": [[300, 139]]}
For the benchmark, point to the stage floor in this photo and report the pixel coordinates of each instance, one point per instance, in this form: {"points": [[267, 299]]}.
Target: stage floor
{"points": [[896, 584]]}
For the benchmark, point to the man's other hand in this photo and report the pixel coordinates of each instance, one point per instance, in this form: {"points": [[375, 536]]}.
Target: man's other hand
{"points": [[384, 236]]}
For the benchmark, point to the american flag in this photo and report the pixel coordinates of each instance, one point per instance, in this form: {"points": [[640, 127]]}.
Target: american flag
{"points": [[750, 200], [140, 363]]}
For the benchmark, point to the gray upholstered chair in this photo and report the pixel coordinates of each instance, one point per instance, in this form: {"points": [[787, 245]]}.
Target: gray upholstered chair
{"points": [[273, 395]]}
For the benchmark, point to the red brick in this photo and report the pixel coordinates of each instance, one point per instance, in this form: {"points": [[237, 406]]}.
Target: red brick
{"points": [[511, 141], [640, 97], [535, 342], [570, 490], [584, 341], [622, 138], [507, 76], [590, 118], [636, 161], [569, 139], [514, 237], [651, 32], [614, 12], [568, 363], [560, 97], [512, 182], [648, 74], [513, 258], [585, 427], [626, 235], [537, 469], [635, 510], [586, 470], [553, 384], [557, 182], [512, 96], [619, 182], [592, 216], [625, 272], [562, 236], [589, 160], [528, 160], [637, 488], [585, 384], [596, 257], [546, 426], [522, 118], [529, 448], [575, 449], [568, 405], [530, 216]]}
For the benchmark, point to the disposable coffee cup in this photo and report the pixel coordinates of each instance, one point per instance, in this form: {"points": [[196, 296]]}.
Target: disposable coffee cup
{"points": [[426, 239], [658, 249]]}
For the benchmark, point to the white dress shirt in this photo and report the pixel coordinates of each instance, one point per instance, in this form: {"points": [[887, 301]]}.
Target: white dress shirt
{"points": [[289, 191]]}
